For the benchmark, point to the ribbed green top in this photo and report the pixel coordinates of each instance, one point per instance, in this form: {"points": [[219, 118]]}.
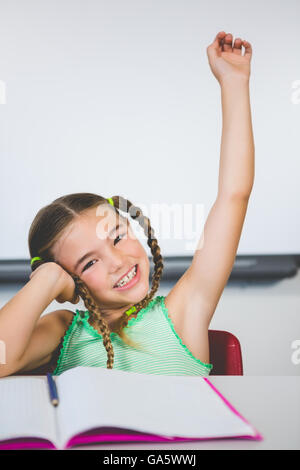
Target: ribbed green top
{"points": [[163, 351]]}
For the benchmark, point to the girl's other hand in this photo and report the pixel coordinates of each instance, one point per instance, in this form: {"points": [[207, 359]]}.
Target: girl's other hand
{"points": [[226, 60], [67, 292]]}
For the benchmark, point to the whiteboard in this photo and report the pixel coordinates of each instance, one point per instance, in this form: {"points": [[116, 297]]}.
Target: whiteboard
{"points": [[117, 98]]}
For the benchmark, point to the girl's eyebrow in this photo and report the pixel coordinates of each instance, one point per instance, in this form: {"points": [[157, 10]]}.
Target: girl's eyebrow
{"points": [[93, 252]]}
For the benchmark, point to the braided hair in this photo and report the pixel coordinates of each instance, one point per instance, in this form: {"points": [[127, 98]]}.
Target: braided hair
{"points": [[46, 229]]}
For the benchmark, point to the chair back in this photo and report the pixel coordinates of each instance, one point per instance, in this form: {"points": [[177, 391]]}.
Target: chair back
{"points": [[225, 353]]}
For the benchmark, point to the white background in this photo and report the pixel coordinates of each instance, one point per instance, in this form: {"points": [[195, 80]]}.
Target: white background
{"points": [[117, 98]]}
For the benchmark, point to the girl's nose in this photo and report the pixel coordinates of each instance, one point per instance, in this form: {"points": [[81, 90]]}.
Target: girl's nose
{"points": [[115, 261]]}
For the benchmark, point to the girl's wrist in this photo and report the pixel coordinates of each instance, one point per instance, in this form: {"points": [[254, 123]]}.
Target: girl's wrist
{"points": [[234, 81]]}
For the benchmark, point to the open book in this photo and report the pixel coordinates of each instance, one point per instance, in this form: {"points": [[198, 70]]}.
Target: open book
{"points": [[98, 405]]}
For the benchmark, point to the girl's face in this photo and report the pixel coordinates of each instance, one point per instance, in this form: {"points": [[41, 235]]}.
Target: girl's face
{"points": [[113, 252]]}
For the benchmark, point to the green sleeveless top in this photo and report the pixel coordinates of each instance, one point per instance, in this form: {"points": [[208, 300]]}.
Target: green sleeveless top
{"points": [[163, 351]]}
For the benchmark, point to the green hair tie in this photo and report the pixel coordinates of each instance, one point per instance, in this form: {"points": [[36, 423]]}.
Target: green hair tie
{"points": [[33, 259], [110, 201], [131, 310]]}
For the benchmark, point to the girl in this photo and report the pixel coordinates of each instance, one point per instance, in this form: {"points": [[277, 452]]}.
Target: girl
{"points": [[82, 246]]}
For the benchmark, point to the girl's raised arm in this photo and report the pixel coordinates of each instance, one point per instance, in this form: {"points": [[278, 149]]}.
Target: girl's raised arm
{"points": [[202, 284]]}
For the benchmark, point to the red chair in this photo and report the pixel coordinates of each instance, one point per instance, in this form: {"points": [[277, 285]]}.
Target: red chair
{"points": [[224, 353]]}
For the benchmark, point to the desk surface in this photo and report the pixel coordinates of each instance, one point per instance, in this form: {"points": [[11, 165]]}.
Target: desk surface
{"points": [[271, 404]]}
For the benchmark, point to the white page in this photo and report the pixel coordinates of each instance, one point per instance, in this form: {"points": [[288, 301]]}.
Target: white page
{"points": [[183, 406], [25, 408]]}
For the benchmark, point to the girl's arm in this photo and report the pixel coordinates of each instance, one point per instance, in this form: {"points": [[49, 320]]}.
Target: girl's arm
{"points": [[232, 70], [203, 283], [20, 318], [216, 251], [236, 169]]}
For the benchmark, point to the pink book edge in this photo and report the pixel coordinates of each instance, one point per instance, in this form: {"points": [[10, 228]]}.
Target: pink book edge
{"points": [[257, 435], [94, 438]]}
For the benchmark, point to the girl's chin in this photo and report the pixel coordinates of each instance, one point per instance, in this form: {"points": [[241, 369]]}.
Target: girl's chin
{"points": [[136, 293], [133, 292]]}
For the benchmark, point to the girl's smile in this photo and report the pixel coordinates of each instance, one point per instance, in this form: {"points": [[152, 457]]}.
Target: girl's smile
{"points": [[132, 282]]}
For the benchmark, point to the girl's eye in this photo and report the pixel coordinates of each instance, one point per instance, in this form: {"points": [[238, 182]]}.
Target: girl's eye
{"points": [[119, 237], [87, 265]]}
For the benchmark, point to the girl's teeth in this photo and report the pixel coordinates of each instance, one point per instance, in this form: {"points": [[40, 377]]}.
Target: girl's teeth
{"points": [[127, 278]]}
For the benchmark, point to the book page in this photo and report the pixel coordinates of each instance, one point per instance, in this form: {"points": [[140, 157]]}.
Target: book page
{"points": [[25, 408], [182, 406]]}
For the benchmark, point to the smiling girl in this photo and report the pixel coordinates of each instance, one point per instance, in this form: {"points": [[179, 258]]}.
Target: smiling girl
{"points": [[81, 246]]}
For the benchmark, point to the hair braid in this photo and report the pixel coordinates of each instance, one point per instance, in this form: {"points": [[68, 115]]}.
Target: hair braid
{"points": [[96, 319], [136, 213]]}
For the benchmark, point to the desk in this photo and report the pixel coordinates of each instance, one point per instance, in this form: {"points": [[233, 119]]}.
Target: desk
{"points": [[270, 403]]}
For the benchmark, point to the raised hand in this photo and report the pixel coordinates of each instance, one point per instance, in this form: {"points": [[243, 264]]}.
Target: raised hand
{"points": [[226, 59]]}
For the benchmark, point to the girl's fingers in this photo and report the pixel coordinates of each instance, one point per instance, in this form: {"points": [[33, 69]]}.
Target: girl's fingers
{"points": [[218, 40], [227, 43], [248, 48], [220, 36], [223, 42], [237, 46]]}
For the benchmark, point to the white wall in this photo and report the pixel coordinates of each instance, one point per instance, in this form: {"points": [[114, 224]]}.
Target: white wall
{"points": [[118, 98]]}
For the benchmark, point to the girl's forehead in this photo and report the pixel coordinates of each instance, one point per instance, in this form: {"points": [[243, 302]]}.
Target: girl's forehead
{"points": [[88, 226], [99, 222], [100, 215]]}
